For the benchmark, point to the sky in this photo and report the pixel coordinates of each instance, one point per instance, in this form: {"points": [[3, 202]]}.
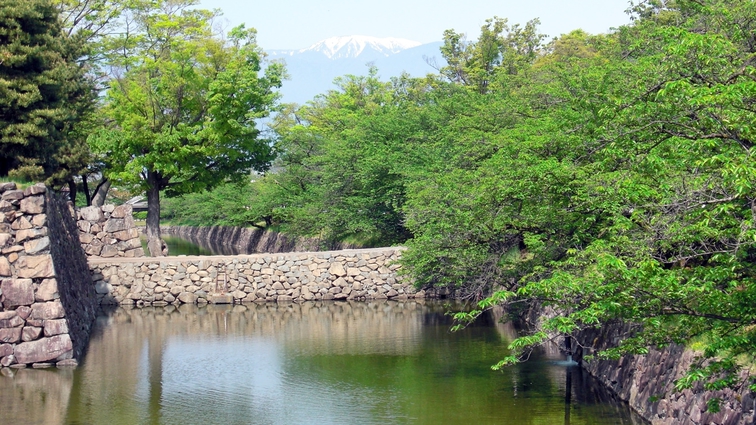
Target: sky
{"points": [[297, 24]]}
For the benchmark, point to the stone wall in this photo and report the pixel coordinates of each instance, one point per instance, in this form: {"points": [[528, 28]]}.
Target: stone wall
{"points": [[47, 305], [108, 231], [646, 383], [243, 240], [335, 275]]}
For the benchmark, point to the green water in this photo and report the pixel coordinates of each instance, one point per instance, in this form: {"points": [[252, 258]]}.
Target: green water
{"points": [[311, 363]]}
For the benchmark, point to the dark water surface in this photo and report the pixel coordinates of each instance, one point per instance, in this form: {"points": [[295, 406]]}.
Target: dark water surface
{"points": [[179, 246], [311, 363]]}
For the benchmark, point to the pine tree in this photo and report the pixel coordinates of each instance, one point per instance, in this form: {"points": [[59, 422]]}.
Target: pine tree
{"points": [[39, 83]]}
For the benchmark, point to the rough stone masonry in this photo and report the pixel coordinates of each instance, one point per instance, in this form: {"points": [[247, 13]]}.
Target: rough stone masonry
{"points": [[47, 303], [335, 275], [108, 231]]}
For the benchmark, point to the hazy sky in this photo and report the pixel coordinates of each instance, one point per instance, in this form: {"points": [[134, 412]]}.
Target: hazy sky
{"points": [[294, 24]]}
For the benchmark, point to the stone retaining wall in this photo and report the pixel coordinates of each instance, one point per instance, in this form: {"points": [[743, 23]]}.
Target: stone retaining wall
{"points": [[108, 231], [243, 240], [47, 305], [335, 275], [646, 383]]}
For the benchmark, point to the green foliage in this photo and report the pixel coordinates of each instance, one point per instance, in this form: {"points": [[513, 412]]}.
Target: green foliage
{"points": [[627, 181], [610, 177], [225, 205], [185, 102], [40, 83]]}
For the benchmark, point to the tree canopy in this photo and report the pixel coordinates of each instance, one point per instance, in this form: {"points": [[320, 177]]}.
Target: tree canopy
{"points": [[183, 104], [39, 82]]}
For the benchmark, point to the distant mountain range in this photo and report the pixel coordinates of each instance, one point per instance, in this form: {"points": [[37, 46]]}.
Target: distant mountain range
{"points": [[313, 69]]}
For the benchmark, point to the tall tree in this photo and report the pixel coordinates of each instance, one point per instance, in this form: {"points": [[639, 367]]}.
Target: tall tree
{"points": [[499, 48], [89, 25], [39, 81], [184, 103]]}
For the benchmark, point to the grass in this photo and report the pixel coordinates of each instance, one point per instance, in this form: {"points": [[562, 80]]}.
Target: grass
{"points": [[19, 184]]}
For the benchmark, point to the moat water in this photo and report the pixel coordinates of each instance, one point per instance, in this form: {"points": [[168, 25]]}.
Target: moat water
{"points": [[312, 363]]}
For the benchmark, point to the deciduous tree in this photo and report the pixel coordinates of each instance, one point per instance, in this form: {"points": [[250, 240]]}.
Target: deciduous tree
{"points": [[184, 104]]}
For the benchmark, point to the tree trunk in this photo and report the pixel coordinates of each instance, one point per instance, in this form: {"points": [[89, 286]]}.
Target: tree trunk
{"points": [[154, 242], [101, 192], [72, 191], [85, 189]]}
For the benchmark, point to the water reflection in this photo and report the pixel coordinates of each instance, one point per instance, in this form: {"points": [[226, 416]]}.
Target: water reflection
{"points": [[329, 363]]}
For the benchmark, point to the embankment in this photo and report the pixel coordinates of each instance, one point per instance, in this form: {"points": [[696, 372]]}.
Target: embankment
{"points": [[47, 302], [283, 277], [242, 240], [647, 384]]}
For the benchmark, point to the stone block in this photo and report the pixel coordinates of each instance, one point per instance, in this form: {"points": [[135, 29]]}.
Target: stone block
{"points": [[115, 225], [21, 223], [337, 269], [221, 299], [5, 350], [5, 267], [39, 220], [23, 312], [4, 186], [30, 333], [37, 245], [187, 298], [13, 195], [102, 287], [7, 360], [121, 211], [44, 349], [47, 311], [85, 238], [125, 235], [109, 251], [138, 252], [56, 327], [47, 291], [5, 238], [25, 234], [17, 292], [94, 248], [9, 319], [91, 214], [6, 206], [33, 205], [36, 189], [10, 335], [38, 266], [67, 363]]}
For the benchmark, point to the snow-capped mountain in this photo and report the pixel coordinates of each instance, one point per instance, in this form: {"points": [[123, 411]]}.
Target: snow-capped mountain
{"points": [[353, 46], [313, 69]]}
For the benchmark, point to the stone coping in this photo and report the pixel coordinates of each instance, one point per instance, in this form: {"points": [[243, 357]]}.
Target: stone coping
{"points": [[179, 258]]}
